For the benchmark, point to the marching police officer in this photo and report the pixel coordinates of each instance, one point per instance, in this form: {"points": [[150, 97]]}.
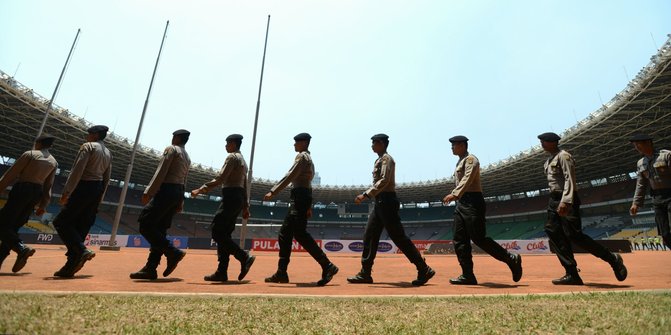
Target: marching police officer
{"points": [[385, 215], [233, 181], [654, 172], [469, 217], [82, 194], [563, 224], [34, 174], [300, 210], [163, 198]]}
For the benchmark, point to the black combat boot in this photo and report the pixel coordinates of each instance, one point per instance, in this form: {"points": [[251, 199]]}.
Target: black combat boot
{"points": [[327, 274], [424, 273], [22, 257], [147, 272], [464, 279], [363, 277], [619, 268], [173, 256], [245, 265], [570, 278], [515, 265]]}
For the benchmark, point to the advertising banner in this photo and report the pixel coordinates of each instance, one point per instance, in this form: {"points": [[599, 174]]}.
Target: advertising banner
{"points": [[541, 246], [96, 240], [138, 241], [272, 244], [356, 246]]}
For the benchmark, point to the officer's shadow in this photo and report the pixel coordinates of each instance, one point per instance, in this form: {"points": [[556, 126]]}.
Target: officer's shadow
{"points": [[223, 283], [402, 284], [14, 274], [499, 285], [602, 285], [158, 280], [68, 278]]}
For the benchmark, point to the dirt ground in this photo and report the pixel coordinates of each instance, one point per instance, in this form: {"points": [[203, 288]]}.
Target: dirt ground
{"points": [[109, 270]]}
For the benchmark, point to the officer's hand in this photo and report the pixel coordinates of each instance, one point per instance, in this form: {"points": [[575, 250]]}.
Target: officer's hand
{"points": [[268, 196], [245, 213], [64, 199], [449, 198], [39, 211], [359, 198], [145, 199], [633, 210], [195, 192], [309, 213], [563, 209]]}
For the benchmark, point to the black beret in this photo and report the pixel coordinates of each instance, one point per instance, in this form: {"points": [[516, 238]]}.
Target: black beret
{"points": [[458, 139], [181, 132], [640, 137], [302, 137], [382, 137], [45, 137], [549, 137], [234, 137], [97, 129]]}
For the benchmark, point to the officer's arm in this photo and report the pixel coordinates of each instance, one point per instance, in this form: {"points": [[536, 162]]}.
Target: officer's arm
{"points": [[470, 170], [296, 168], [77, 169], [568, 169], [385, 178], [161, 172], [14, 171], [46, 189]]}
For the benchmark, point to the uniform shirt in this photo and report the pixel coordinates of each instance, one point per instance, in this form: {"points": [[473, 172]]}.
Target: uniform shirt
{"points": [[300, 174], [467, 176], [172, 169], [560, 171], [384, 176], [653, 172], [232, 174], [93, 163], [34, 166]]}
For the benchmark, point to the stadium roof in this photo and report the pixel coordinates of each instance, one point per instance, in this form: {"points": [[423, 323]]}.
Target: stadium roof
{"points": [[599, 143]]}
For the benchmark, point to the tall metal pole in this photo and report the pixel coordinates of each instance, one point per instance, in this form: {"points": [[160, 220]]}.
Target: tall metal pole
{"points": [[124, 190], [243, 228], [58, 85]]}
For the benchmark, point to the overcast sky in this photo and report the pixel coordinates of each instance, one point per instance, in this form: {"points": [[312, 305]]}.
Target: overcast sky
{"points": [[499, 72]]}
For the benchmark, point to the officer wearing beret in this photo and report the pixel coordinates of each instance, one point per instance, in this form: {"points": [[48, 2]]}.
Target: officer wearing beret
{"points": [[233, 181], [469, 217], [163, 198], [564, 224], [82, 194], [33, 175], [385, 215], [300, 210], [653, 172]]}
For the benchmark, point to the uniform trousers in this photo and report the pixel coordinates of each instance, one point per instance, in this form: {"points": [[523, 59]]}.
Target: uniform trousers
{"points": [[295, 227], [76, 218], [562, 230], [223, 225], [22, 200], [661, 202], [469, 225], [385, 215], [156, 218]]}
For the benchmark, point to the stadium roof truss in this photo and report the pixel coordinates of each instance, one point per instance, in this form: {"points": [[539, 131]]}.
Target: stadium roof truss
{"points": [[599, 143]]}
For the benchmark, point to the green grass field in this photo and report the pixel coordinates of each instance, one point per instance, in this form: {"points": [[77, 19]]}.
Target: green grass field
{"points": [[591, 313]]}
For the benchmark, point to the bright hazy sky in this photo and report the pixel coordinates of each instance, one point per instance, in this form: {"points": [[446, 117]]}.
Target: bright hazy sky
{"points": [[499, 72]]}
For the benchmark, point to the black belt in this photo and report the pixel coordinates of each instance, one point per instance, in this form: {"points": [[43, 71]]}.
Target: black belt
{"points": [[386, 195], [664, 192]]}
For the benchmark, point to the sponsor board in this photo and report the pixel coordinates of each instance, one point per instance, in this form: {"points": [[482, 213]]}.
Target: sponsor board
{"points": [[41, 238], [96, 240], [541, 246], [138, 241], [356, 246], [271, 244]]}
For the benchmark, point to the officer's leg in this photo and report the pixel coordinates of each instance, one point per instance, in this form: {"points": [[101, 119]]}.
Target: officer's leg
{"points": [[302, 235], [150, 220], [558, 240], [572, 226], [4, 252], [474, 216], [285, 240], [392, 222], [462, 242], [371, 239], [662, 218], [13, 215]]}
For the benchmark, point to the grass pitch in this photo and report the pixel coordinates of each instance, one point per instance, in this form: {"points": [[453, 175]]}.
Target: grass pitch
{"points": [[590, 313]]}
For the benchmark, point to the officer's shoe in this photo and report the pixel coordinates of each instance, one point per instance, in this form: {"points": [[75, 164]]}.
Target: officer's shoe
{"points": [[464, 280], [145, 273], [327, 274], [87, 255], [245, 266], [68, 270], [217, 276], [515, 265], [568, 279], [278, 277], [22, 258], [173, 257], [361, 278], [423, 276], [619, 268]]}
